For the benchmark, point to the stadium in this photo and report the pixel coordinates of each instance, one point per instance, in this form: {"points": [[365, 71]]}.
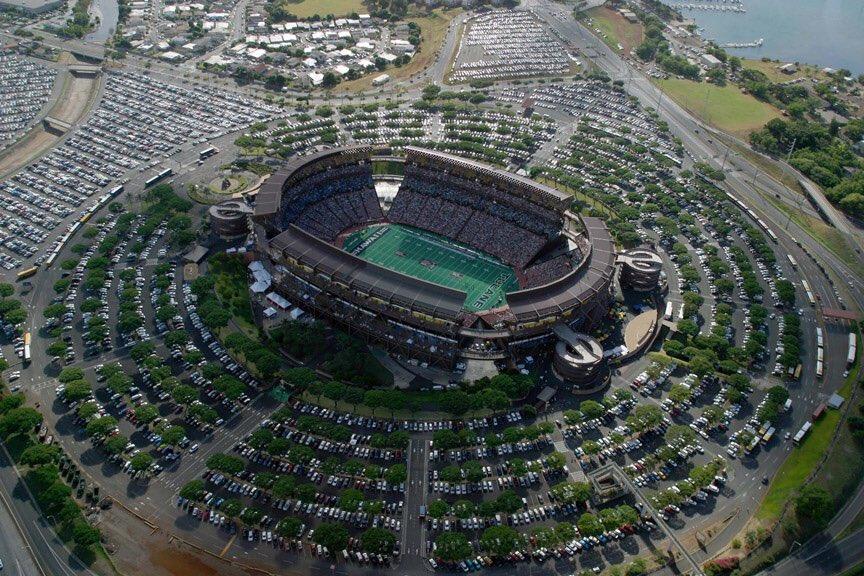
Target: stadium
{"points": [[465, 261]]}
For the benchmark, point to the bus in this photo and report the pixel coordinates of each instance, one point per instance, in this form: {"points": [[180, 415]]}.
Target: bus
{"points": [[160, 176], [207, 153], [27, 273], [27, 347], [766, 438], [792, 261], [799, 436], [820, 369], [668, 314]]}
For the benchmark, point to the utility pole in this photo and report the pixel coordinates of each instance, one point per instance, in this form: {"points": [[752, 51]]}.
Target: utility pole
{"points": [[725, 156]]}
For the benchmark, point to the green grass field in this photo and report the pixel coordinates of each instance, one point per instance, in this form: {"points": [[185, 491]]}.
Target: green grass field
{"points": [[615, 29], [726, 107], [307, 8], [435, 259]]}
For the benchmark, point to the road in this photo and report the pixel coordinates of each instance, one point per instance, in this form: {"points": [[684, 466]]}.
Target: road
{"points": [[29, 530], [14, 550]]}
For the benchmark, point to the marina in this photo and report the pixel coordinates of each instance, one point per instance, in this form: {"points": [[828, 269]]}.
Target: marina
{"points": [[826, 32]]}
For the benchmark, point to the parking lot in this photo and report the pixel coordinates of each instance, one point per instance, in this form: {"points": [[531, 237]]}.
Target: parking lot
{"points": [[139, 125], [25, 87], [509, 45]]}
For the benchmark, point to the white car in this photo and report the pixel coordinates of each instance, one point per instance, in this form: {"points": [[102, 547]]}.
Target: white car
{"points": [[193, 448]]}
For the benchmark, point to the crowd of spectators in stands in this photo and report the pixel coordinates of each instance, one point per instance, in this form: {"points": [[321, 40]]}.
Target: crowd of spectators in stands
{"points": [[506, 226], [548, 270], [329, 202]]}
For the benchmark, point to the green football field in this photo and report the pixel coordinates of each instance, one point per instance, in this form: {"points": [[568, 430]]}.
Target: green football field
{"points": [[435, 259]]}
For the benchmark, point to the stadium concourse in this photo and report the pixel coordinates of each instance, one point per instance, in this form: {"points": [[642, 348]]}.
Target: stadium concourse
{"points": [[467, 262]]}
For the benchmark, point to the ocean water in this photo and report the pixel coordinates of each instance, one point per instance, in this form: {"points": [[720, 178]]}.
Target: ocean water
{"points": [[822, 32]]}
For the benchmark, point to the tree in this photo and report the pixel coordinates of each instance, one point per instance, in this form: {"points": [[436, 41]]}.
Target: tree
{"points": [[146, 413], [396, 474], [453, 547], [172, 435], [141, 461], [7, 403], [438, 508], [378, 541], [42, 477], [679, 435], [176, 338], [56, 349], [184, 394], [350, 499], [589, 525], [119, 383], [637, 568], [571, 492], [21, 420], [284, 487], [101, 426], [85, 535], [333, 536], [40, 454], [500, 540], [77, 390], [814, 507], [680, 393], [115, 444], [54, 310], [232, 507], [232, 387], [141, 351], [591, 409], [591, 447], [251, 515], [645, 417], [451, 473], [288, 527], [226, 463], [70, 373]]}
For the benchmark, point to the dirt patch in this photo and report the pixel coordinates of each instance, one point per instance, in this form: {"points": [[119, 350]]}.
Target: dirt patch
{"points": [[73, 103], [136, 544], [29, 147], [179, 562]]}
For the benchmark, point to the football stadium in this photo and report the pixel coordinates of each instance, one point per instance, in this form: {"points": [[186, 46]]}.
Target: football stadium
{"points": [[464, 261]]}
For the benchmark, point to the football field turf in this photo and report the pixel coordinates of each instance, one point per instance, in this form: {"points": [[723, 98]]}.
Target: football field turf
{"points": [[435, 259]]}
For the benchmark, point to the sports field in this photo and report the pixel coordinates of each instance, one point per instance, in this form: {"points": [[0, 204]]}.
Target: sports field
{"points": [[435, 259]]}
